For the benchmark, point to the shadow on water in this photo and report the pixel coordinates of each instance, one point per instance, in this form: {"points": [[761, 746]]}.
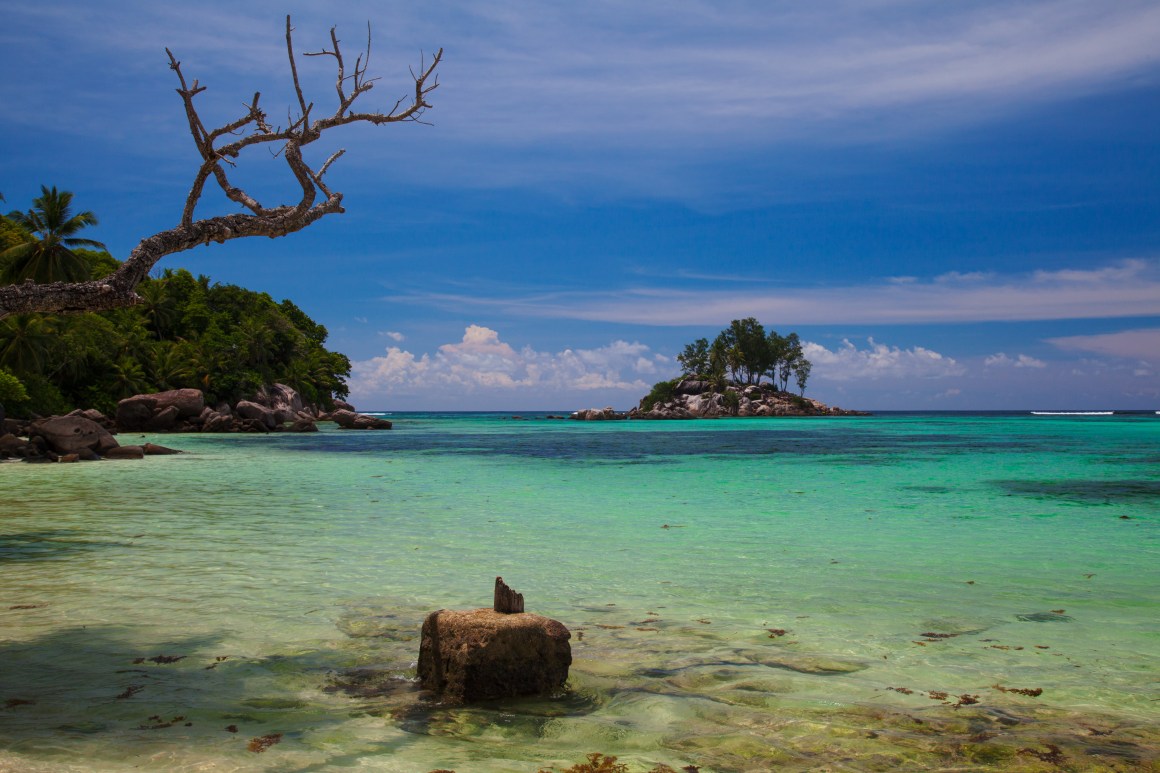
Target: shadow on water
{"points": [[48, 544], [845, 444], [1085, 491], [94, 690]]}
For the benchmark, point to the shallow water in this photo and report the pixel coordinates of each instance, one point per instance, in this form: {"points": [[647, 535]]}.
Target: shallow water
{"points": [[744, 595]]}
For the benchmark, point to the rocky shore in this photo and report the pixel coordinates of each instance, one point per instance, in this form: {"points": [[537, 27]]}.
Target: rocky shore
{"points": [[85, 435], [690, 398]]}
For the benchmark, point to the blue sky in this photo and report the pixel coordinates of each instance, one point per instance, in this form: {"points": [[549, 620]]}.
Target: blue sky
{"points": [[955, 204]]}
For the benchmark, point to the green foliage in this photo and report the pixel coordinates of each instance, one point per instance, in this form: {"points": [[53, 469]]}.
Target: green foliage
{"points": [[47, 254], [731, 398], [746, 354], [695, 359], [662, 392], [12, 391], [186, 332]]}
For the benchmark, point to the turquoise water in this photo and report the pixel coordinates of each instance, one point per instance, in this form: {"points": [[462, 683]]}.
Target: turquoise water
{"points": [[163, 614]]}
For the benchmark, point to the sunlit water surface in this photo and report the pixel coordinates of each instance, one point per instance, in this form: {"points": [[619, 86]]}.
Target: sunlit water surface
{"points": [[744, 595]]}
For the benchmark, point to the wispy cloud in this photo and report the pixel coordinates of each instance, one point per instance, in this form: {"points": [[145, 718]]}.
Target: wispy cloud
{"points": [[1001, 360], [655, 76], [1141, 344], [1130, 288]]}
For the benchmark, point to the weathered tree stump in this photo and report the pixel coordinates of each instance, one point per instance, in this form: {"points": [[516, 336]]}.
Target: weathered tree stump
{"points": [[507, 601]]}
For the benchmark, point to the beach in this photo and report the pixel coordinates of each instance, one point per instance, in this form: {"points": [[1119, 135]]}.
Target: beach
{"points": [[901, 591]]}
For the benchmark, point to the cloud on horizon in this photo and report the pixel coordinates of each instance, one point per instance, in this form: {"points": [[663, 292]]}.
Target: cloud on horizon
{"points": [[1129, 288], [482, 363], [1141, 344], [879, 361]]}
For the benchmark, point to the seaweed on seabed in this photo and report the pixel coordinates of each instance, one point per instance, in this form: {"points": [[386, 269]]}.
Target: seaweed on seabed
{"points": [[263, 742], [1054, 755], [1031, 692], [606, 763]]}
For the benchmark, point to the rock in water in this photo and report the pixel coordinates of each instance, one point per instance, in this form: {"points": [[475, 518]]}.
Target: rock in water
{"points": [[481, 654], [72, 435]]}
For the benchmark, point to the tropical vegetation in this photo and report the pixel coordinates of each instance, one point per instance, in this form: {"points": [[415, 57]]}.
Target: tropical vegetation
{"points": [[746, 354], [186, 331]]}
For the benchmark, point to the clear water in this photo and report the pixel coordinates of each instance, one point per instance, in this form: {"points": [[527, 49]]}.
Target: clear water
{"points": [[290, 575]]}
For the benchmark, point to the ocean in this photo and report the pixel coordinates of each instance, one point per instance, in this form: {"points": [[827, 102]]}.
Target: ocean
{"points": [[893, 592]]}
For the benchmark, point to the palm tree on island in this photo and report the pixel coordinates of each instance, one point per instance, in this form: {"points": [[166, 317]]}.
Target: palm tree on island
{"points": [[48, 254]]}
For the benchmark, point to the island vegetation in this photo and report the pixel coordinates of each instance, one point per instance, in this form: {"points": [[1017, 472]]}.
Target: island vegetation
{"points": [[744, 371], [81, 328], [185, 331]]}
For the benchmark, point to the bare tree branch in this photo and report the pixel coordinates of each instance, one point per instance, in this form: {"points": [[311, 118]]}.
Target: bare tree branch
{"points": [[252, 128]]}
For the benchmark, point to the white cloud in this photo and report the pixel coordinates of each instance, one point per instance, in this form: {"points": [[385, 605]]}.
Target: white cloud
{"points": [[1140, 344], [847, 362], [1129, 288], [1001, 360], [481, 363], [393, 335]]}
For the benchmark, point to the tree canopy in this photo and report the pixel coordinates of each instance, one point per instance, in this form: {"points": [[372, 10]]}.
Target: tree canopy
{"points": [[746, 354], [186, 332], [44, 252]]}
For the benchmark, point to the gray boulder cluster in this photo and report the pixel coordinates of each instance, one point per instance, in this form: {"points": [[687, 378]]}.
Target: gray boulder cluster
{"points": [[79, 436], [88, 434], [696, 399], [274, 408], [598, 414]]}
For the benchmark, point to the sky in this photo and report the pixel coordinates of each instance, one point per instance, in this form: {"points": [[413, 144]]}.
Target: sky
{"points": [[955, 205]]}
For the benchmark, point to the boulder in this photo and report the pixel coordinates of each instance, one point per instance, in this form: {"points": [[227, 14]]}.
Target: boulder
{"points": [[481, 654], [72, 435], [283, 400], [343, 405], [351, 420], [188, 402], [156, 450], [598, 414], [12, 447], [258, 413], [140, 412], [690, 386], [164, 419], [125, 452], [94, 415], [133, 413]]}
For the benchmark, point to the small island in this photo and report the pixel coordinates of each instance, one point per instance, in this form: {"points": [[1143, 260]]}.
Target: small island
{"points": [[727, 378]]}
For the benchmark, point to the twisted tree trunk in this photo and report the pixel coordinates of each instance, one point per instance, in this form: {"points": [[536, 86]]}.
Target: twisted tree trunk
{"points": [[118, 289]]}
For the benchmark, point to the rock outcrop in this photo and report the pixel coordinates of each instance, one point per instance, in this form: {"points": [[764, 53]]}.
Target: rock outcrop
{"points": [[488, 654], [598, 414], [351, 420], [481, 654], [697, 399], [65, 435], [275, 408], [159, 411], [88, 434]]}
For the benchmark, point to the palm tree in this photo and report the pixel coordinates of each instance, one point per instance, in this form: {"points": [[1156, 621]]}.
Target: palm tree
{"points": [[53, 226], [25, 341], [158, 306]]}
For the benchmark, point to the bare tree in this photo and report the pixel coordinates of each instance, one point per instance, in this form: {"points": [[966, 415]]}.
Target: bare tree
{"points": [[250, 130]]}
